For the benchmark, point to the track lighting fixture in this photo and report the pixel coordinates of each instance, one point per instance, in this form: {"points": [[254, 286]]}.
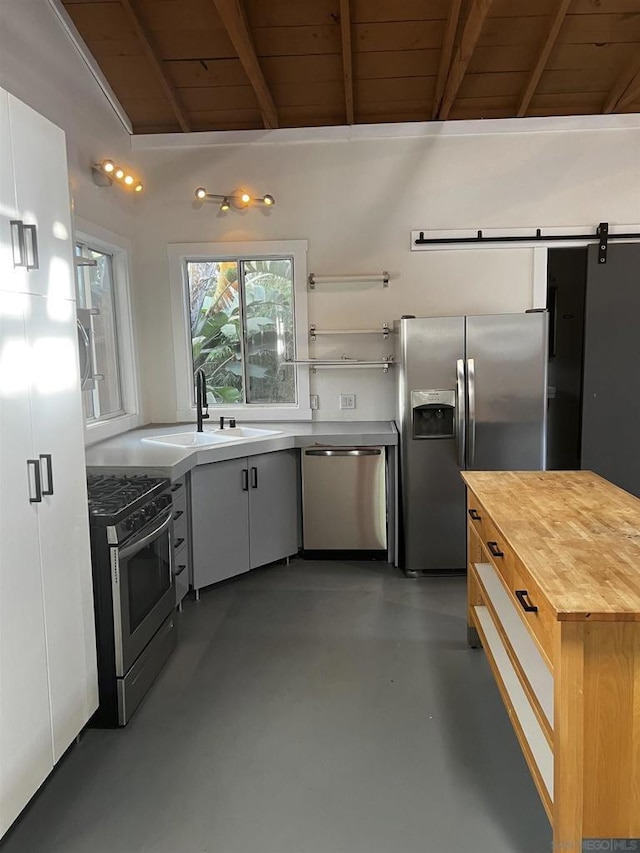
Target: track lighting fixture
{"points": [[240, 200], [105, 173]]}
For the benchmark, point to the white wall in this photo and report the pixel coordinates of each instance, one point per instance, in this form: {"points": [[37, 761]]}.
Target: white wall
{"points": [[40, 65], [356, 201]]}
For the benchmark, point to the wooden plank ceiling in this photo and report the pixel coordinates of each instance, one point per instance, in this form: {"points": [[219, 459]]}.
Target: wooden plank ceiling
{"points": [[180, 65]]}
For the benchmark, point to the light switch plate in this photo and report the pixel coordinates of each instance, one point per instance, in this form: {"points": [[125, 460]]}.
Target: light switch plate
{"points": [[314, 401], [347, 401]]}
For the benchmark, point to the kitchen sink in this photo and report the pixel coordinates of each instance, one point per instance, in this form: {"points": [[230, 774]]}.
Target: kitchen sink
{"points": [[192, 439], [246, 432]]}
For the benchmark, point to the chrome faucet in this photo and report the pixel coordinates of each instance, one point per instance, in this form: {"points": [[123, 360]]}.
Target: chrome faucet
{"points": [[201, 397]]}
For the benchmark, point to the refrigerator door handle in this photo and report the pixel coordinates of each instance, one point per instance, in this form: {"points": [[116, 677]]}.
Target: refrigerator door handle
{"points": [[461, 412], [471, 390]]}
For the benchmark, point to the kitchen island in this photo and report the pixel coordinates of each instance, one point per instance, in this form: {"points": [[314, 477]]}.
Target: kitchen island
{"points": [[554, 599]]}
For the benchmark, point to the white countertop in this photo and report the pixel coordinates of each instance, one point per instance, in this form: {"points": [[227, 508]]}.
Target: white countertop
{"points": [[128, 451]]}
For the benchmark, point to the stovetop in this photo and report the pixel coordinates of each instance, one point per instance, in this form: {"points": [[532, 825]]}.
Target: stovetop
{"points": [[113, 497]]}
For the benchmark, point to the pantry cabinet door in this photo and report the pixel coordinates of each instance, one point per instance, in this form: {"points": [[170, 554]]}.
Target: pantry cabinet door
{"points": [[273, 506], [58, 439], [26, 755], [42, 196], [220, 521]]}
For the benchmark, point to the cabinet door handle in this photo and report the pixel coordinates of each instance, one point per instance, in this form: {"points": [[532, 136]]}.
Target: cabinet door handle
{"points": [[178, 543], [181, 569], [47, 458], [245, 480], [177, 514], [522, 595], [17, 243], [176, 486], [254, 478], [475, 515], [31, 247], [495, 550], [34, 464]]}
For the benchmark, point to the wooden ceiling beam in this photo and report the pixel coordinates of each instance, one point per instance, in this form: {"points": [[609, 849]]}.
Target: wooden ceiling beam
{"points": [[154, 57], [463, 54], [235, 22], [543, 57], [625, 87], [450, 30], [347, 58]]}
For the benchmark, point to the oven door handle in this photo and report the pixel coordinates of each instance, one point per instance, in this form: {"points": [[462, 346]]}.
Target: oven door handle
{"points": [[139, 544]]}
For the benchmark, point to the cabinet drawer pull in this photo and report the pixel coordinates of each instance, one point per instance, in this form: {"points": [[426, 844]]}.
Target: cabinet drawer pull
{"points": [[17, 243], [31, 247], [178, 542], [495, 550], [34, 464], [475, 515], [245, 479], [177, 514], [176, 486], [181, 569], [46, 457], [522, 595]]}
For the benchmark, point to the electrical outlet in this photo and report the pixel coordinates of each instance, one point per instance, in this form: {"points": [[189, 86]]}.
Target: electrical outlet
{"points": [[314, 401], [347, 401]]}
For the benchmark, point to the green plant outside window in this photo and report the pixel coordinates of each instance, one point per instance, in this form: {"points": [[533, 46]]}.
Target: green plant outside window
{"points": [[242, 329]]}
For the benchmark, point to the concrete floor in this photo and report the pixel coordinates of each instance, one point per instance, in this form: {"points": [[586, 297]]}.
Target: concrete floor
{"points": [[310, 708]]}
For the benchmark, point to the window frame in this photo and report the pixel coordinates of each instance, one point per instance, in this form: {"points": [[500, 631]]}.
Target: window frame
{"points": [[119, 248], [179, 254]]}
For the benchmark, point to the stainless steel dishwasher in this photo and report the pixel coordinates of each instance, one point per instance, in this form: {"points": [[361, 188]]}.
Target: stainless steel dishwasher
{"points": [[344, 500]]}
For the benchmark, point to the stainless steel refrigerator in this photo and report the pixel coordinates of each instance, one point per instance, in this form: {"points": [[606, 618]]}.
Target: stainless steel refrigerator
{"points": [[472, 393]]}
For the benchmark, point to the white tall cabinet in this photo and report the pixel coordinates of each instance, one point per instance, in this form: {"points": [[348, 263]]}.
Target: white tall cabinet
{"points": [[48, 675]]}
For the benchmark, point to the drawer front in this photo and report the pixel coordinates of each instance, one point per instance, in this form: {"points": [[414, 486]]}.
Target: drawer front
{"points": [[541, 621]]}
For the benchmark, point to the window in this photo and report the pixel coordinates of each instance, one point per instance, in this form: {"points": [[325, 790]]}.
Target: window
{"points": [[99, 358], [108, 363], [241, 313]]}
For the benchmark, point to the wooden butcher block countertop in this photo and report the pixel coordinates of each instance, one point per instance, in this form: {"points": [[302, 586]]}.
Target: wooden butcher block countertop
{"points": [[577, 535]]}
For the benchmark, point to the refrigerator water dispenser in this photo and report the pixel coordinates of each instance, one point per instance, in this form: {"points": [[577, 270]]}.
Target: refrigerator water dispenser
{"points": [[433, 414]]}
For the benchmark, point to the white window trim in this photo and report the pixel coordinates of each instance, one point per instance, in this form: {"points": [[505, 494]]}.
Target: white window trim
{"points": [[120, 250], [179, 253]]}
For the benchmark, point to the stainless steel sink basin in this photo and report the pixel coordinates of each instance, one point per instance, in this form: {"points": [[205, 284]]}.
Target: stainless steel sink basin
{"points": [[192, 439], [246, 432]]}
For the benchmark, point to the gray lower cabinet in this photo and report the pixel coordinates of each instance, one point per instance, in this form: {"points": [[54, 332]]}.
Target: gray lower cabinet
{"points": [[244, 514]]}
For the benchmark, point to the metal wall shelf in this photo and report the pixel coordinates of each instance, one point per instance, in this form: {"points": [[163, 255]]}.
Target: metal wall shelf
{"points": [[381, 330], [381, 278], [385, 363]]}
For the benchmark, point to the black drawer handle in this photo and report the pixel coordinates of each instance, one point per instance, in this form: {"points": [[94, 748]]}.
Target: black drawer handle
{"points": [[180, 571], [245, 479], [495, 550], [176, 486], [179, 542], [522, 595], [475, 515], [177, 514], [254, 478]]}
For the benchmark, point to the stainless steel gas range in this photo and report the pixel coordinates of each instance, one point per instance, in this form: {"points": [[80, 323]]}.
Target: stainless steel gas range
{"points": [[131, 552]]}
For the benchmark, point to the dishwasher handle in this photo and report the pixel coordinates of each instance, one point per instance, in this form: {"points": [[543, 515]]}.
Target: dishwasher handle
{"points": [[344, 451]]}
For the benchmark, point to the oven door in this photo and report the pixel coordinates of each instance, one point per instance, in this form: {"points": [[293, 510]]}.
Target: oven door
{"points": [[143, 588]]}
